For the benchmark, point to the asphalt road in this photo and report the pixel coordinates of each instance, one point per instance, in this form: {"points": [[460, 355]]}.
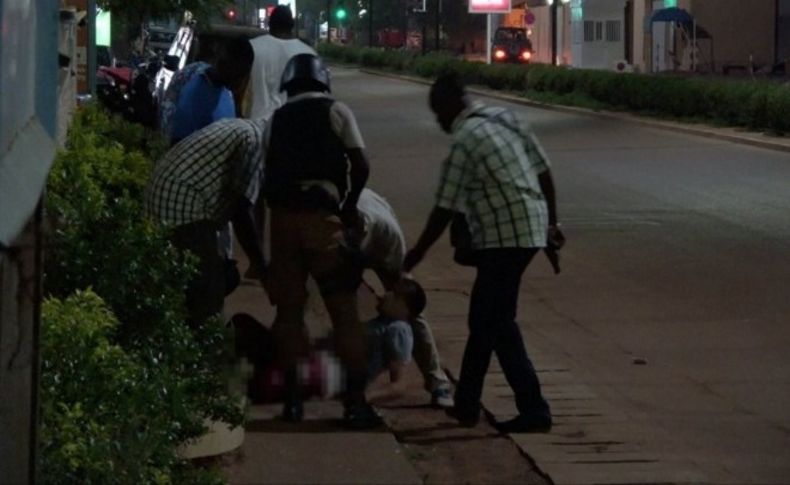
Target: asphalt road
{"points": [[678, 256]]}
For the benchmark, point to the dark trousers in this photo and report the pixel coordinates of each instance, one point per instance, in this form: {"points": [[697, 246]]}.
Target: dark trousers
{"points": [[492, 328], [205, 293]]}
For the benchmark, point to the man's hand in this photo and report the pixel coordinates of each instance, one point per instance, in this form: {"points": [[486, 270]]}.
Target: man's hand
{"points": [[555, 238], [412, 259]]}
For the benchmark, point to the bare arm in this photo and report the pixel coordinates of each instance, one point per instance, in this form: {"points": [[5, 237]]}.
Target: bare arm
{"points": [[437, 222], [360, 169], [244, 227], [547, 187]]}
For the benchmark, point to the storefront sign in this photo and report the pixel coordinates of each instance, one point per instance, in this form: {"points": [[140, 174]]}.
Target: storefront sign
{"points": [[489, 6]]}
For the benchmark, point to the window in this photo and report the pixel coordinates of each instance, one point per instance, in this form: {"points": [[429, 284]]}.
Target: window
{"points": [[598, 30], [613, 28], [589, 31]]}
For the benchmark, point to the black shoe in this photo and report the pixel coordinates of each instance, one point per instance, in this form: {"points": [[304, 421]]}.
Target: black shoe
{"points": [[360, 416], [293, 411], [467, 419], [521, 424]]}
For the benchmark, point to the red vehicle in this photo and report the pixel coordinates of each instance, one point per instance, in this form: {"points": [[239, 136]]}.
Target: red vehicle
{"points": [[511, 44], [392, 39]]}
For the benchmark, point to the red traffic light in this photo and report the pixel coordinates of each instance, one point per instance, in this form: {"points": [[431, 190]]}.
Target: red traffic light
{"points": [[231, 13]]}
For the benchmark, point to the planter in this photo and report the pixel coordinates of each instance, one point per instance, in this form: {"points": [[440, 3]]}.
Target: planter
{"points": [[218, 440]]}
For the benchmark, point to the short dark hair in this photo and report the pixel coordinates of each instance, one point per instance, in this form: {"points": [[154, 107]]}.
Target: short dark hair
{"points": [[448, 86], [413, 294], [240, 50], [235, 60], [282, 19]]}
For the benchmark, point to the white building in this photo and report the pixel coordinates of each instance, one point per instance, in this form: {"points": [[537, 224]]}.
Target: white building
{"points": [[618, 34]]}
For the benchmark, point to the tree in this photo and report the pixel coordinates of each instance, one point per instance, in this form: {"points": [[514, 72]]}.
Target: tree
{"points": [[139, 11]]}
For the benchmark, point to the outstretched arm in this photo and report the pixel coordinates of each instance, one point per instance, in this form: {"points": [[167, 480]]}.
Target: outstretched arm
{"points": [[437, 222], [244, 227]]}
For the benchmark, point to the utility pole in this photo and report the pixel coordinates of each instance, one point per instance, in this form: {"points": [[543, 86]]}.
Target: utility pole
{"points": [[553, 15], [328, 21], [438, 15], [370, 23]]}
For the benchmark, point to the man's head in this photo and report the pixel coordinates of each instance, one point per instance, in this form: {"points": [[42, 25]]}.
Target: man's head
{"points": [[405, 301], [305, 73], [281, 22], [447, 99], [234, 63]]}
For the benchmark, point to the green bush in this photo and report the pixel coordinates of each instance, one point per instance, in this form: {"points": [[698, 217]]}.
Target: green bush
{"points": [[756, 105], [102, 240]]}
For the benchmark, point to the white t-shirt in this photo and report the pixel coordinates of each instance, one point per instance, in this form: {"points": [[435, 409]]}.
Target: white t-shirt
{"points": [[271, 56], [384, 245]]}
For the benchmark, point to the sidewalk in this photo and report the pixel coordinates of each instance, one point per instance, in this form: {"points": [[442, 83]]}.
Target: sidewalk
{"points": [[418, 445]]}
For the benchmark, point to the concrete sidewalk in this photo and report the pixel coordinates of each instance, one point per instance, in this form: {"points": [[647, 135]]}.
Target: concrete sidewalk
{"points": [[418, 445], [318, 450]]}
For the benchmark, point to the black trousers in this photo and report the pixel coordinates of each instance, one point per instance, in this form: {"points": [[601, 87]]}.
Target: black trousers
{"points": [[493, 329], [205, 293]]}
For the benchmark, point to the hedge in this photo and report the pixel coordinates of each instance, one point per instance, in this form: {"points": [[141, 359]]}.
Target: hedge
{"points": [[124, 379], [757, 105]]}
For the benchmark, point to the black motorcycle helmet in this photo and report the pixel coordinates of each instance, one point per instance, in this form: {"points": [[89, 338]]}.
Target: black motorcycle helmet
{"points": [[305, 72]]}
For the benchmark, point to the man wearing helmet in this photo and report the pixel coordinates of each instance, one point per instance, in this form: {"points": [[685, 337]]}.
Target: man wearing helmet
{"points": [[315, 171]]}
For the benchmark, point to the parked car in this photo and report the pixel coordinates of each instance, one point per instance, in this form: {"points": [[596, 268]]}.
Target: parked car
{"points": [[511, 44]]}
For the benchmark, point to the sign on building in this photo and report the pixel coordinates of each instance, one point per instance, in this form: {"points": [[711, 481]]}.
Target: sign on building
{"points": [[489, 6]]}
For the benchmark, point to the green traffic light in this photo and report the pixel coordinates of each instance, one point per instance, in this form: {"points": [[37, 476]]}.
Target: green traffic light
{"points": [[340, 14]]}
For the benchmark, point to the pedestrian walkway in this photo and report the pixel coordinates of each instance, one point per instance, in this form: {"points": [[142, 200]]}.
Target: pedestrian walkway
{"points": [[318, 450], [418, 445]]}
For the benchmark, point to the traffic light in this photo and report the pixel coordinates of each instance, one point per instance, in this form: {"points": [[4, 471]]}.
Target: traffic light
{"points": [[231, 14], [341, 13]]}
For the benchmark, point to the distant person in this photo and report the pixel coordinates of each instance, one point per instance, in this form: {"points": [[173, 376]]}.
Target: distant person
{"points": [[201, 93], [383, 248], [271, 53], [497, 175], [390, 338], [208, 179]]}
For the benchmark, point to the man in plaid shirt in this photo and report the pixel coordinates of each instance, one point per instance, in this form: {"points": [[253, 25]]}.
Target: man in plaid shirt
{"points": [[498, 176], [209, 178]]}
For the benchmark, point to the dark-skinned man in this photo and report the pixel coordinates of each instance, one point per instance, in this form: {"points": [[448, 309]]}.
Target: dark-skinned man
{"points": [[209, 178], [498, 176]]}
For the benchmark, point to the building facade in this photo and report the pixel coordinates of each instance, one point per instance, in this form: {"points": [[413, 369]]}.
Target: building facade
{"points": [[619, 34]]}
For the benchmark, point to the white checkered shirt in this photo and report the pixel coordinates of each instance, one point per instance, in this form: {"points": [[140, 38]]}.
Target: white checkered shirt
{"points": [[491, 175], [205, 175]]}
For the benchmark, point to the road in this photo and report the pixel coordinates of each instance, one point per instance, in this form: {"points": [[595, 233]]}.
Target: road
{"points": [[663, 345]]}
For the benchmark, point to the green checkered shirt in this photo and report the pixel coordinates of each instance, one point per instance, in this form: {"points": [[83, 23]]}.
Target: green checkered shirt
{"points": [[491, 176]]}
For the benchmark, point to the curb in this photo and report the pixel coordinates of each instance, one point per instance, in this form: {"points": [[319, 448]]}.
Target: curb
{"points": [[723, 134]]}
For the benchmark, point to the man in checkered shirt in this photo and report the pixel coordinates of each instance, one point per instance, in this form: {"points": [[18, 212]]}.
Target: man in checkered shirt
{"points": [[498, 176], [209, 178]]}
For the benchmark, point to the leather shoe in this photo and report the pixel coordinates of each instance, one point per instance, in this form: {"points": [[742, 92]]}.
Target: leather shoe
{"points": [[521, 424], [359, 416], [467, 419], [293, 411]]}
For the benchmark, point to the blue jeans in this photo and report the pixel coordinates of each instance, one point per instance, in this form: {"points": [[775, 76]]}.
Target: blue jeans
{"points": [[493, 329]]}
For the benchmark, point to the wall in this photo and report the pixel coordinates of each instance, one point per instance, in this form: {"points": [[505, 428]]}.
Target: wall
{"points": [[739, 29], [28, 100], [600, 52]]}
